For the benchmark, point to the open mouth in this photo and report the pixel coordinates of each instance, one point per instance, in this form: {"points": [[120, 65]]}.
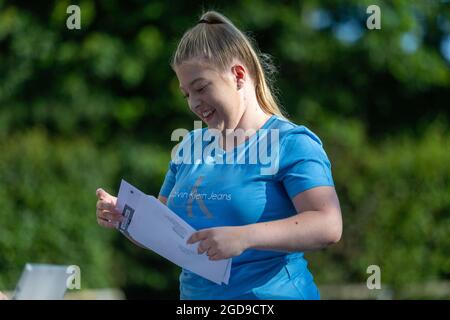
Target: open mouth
{"points": [[207, 115]]}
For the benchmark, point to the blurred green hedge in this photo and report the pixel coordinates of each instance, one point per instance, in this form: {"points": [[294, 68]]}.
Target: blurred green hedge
{"points": [[48, 209], [81, 109], [395, 199]]}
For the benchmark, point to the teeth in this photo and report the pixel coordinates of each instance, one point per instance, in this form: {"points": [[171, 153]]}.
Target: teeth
{"points": [[206, 114]]}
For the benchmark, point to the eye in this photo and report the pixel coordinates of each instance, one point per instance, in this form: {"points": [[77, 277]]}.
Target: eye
{"points": [[202, 88], [186, 96]]}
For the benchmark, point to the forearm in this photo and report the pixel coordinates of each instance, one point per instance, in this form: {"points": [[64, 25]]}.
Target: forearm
{"points": [[309, 230]]}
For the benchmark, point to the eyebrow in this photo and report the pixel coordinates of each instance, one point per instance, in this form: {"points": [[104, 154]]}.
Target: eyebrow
{"points": [[194, 81]]}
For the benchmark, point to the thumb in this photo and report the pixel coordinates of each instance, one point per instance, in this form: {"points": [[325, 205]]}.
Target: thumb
{"points": [[193, 238], [101, 194], [197, 236]]}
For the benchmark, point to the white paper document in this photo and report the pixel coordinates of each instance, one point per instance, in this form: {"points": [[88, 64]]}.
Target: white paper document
{"points": [[154, 226]]}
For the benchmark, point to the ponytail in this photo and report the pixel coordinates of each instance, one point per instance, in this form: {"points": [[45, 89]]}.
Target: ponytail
{"points": [[216, 38]]}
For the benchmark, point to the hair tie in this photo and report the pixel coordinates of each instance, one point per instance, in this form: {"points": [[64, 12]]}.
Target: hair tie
{"points": [[208, 22]]}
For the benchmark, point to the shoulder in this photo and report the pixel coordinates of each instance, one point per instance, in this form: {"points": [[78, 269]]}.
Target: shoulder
{"points": [[184, 149], [303, 162], [292, 135]]}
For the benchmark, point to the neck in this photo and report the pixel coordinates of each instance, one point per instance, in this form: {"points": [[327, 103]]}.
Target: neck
{"points": [[253, 118]]}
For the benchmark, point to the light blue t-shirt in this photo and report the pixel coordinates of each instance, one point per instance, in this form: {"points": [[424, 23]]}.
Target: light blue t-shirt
{"points": [[218, 188]]}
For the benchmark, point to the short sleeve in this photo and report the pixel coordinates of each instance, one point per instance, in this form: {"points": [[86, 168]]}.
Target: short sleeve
{"points": [[169, 180], [303, 162]]}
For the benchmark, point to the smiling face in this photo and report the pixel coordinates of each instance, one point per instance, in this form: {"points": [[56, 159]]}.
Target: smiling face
{"points": [[214, 96]]}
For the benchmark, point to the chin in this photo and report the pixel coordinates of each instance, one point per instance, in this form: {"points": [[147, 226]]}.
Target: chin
{"points": [[215, 125]]}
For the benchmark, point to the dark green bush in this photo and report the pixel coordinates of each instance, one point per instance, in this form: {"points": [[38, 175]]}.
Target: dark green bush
{"points": [[80, 109]]}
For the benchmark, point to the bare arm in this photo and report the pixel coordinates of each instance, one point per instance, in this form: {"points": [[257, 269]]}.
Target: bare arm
{"points": [[317, 224]]}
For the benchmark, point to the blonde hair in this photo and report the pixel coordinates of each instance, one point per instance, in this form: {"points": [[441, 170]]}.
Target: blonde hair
{"points": [[216, 38]]}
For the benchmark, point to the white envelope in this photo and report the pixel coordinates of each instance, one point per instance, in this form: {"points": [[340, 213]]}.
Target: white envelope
{"points": [[153, 225]]}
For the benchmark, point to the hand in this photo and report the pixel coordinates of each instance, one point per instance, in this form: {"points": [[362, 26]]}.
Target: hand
{"points": [[107, 215], [3, 296], [220, 243]]}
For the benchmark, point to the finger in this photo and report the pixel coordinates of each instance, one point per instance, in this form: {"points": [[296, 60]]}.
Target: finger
{"points": [[106, 205], [211, 252], [110, 223], [107, 224], [108, 215], [203, 247], [215, 257], [113, 216]]}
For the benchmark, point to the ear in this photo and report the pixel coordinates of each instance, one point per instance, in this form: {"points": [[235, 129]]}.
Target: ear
{"points": [[240, 75]]}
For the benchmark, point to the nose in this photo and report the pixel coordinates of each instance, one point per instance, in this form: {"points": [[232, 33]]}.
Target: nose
{"points": [[194, 103]]}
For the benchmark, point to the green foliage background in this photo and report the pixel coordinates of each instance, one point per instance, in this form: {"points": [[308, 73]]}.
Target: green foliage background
{"points": [[80, 109]]}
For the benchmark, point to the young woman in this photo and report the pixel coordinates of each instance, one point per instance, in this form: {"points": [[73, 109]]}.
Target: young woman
{"points": [[263, 220]]}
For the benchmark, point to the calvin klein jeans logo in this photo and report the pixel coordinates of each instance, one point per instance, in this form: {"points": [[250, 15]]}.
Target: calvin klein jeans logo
{"points": [[195, 197]]}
